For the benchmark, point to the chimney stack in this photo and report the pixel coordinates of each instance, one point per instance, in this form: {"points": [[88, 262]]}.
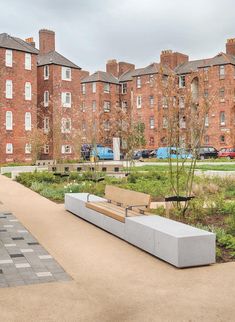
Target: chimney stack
{"points": [[112, 67], [172, 59], [46, 41], [230, 46], [30, 41]]}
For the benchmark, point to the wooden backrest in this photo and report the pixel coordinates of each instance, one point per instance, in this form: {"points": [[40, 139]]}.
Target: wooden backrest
{"points": [[127, 197]]}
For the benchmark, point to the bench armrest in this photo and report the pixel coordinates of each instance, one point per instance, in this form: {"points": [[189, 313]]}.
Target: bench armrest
{"points": [[135, 206]]}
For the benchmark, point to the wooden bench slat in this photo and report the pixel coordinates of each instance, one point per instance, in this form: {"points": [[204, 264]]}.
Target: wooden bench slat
{"points": [[105, 211]]}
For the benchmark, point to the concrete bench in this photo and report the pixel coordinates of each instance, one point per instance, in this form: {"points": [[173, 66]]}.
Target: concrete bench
{"points": [[174, 242]]}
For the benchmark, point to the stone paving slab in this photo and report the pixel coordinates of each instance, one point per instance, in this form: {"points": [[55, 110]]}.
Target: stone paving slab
{"points": [[23, 260]]}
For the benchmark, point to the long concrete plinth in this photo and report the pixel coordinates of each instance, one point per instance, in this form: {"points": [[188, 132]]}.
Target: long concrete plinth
{"points": [[176, 243]]}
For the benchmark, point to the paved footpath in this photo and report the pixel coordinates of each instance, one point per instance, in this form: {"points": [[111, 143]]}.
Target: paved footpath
{"points": [[111, 280]]}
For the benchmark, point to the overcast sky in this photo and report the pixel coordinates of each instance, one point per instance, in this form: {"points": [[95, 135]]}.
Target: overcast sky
{"points": [[89, 32]]}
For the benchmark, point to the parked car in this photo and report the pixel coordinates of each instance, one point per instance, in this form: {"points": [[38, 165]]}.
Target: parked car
{"points": [[172, 152], [102, 153], [228, 153], [206, 152], [143, 154]]}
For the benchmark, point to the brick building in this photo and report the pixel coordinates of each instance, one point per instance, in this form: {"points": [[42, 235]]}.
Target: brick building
{"points": [[59, 100], [43, 90], [18, 98]]}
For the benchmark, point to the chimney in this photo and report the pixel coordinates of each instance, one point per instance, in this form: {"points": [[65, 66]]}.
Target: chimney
{"points": [[46, 41], [30, 41], [230, 46], [112, 67], [172, 60], [124, 67]]}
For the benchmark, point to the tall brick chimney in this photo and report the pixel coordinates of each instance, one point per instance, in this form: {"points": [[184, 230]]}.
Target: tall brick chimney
{"points": [[230, 46], [30, 41], [172, 59], [117, 69], [46, 41]]}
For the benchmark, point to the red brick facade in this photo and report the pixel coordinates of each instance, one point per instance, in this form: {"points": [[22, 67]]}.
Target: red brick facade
{"points": [[72, 108]]}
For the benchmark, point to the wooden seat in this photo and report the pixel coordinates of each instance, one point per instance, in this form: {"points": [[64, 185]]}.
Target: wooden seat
{"points": [[121, 203]]}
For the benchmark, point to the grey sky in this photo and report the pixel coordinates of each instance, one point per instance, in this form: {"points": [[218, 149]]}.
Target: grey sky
{"points": [[89, 32]]}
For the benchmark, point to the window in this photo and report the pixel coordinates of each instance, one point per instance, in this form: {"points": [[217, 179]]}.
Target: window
{"points": [[206, 93], [28, 148], [207, 139], [139, 101], [151, 80], [93, 87], [66, 73], [106, 87], [124, 105], [9, 148], [182, 122], [205, 73], [164, 102], [27, 61], [181, 102], [151, 140], [9, 120], [27, 121], [46, 149], [83, 106], [206, 120], [124, 88], [222, 118], [181, 81], [107, 106], [8, 58], [138, 82], [66, 99], [222, 139], [221, 72], [151, 122], [83, 89], [106, 125], [46, 99], [93, 106], [164, 122], [65, 125], [65, 149], [9, 89], [28, 91], [222, 94], [46, 125], [46, 72], [151, 100]]}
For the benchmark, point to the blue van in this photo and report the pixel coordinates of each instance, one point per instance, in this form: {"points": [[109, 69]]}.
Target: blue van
{"points": [[102, 153], [172, 152]]}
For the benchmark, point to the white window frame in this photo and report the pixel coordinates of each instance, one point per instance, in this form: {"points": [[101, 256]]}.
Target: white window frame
{"points": [[181, 102], [124, 88], [151, 122], [64, 97], [46, 124], [46, 149], [28, 91], [46, 72], [28, 61], [206, 120], [9, 148], [46, 98], [106, 88], [8, 58], [9, 89], [66, 149], [64, 73], [94, 105], [182, 81], [64, 125], [107, 106], [84, 89], [222, 118], [94, 87], [28, 121], [139, 101], [138, 82], [106, 125], [151, 101], [9, 120], [28, 148]]}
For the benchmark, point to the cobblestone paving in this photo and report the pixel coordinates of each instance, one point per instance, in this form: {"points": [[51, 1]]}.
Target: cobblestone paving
{"points": [[22, 259]]}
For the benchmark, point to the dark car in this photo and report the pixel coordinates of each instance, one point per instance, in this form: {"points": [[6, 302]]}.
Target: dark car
{"points": [[143, 154], [228, 153], [207, 152]]}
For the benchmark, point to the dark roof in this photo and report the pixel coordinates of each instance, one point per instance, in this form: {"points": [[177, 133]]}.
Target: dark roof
{"points": [[127, 76], [55, 58], [192, 66], [153, 68], [9, 42], [100, 76]]}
